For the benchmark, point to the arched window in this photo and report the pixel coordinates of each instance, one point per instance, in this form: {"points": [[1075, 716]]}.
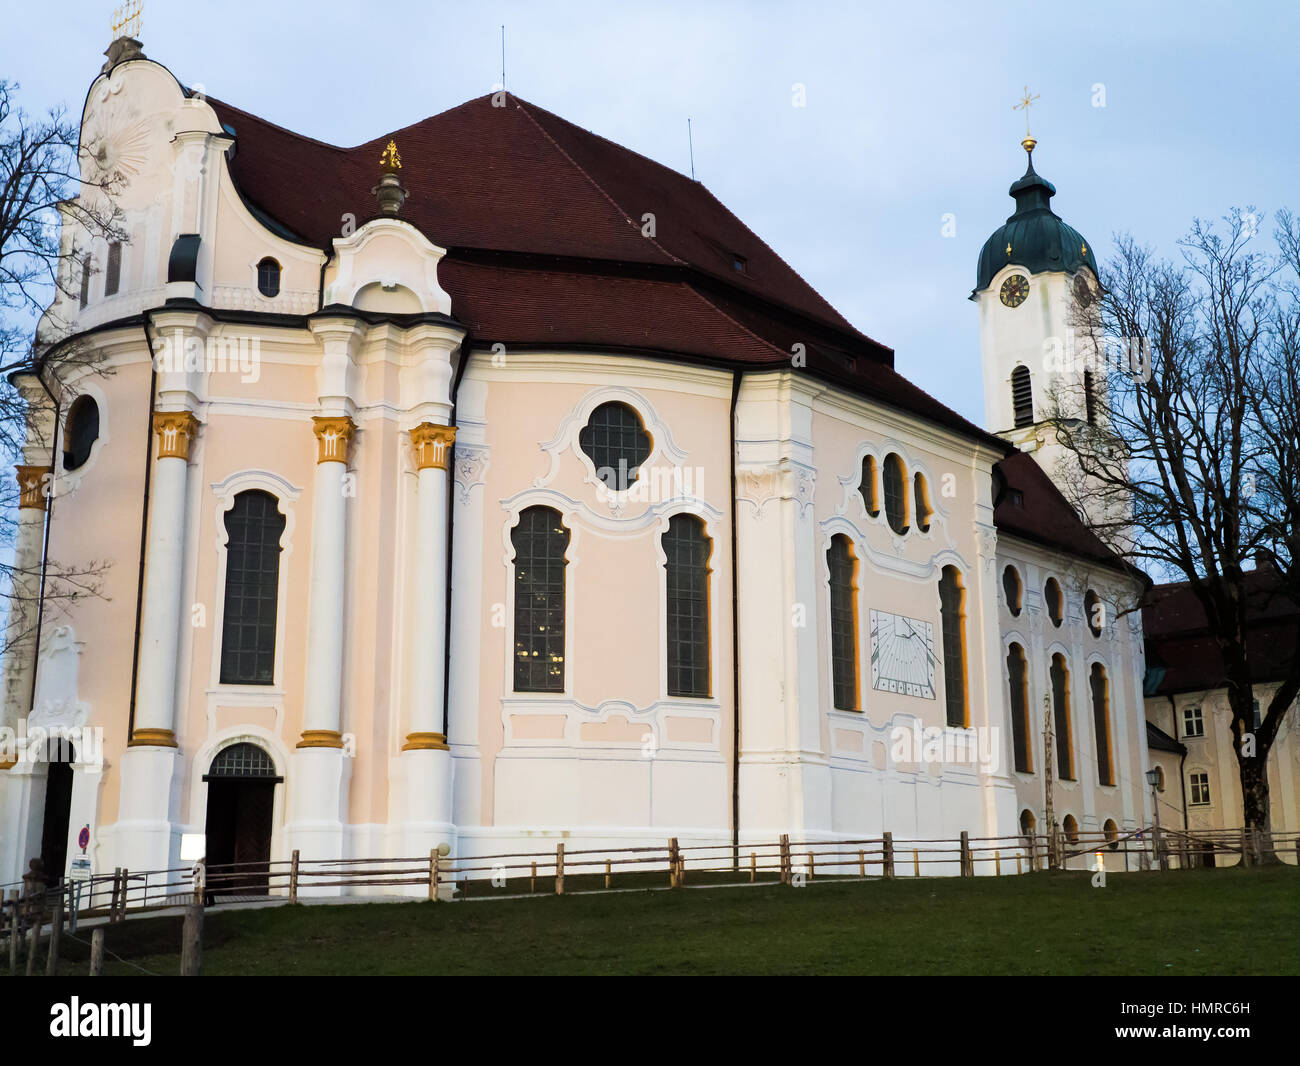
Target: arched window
{"points": [[1060, 675], [540, 541], [1022, 396], [80, 432], [952, 606], [1094, 611], [1089, 400], [242, 760], [253, 529], [1018, 679], [842, 563], [1028, 823], [687, 548], [868, 486], [1055, 601], [1112, 834], [113, 272], [924, 511], [1013, 589], [1101, 723], [895, 483], [268, 277], [1070, 826], [616, 443]]}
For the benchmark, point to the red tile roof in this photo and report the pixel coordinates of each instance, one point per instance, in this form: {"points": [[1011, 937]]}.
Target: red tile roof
{"points": [[542, 222]]}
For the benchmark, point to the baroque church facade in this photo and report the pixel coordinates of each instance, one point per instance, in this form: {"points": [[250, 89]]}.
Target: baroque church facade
{"points": [[488, 485]]}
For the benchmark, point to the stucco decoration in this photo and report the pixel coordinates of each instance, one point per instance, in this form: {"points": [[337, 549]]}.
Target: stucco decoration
{"points": [[57, 703], [469, 467], [393, 255]]}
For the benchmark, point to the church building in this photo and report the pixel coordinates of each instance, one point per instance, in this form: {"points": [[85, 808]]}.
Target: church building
{"points": [[489, 485]]}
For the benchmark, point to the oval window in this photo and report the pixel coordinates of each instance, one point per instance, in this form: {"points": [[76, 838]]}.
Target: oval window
{"points": [[1012, 587], [268, 277], [80, 432], [1055, 608]]}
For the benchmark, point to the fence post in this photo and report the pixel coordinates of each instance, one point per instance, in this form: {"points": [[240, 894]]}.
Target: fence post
{"points": [[56, 936], [34, 936], [862, 863], [609, 874], [888, 858], [785, 859], [967, 863], [1162, 860], [293, 878], [532, 878], [916, 862], [672, 862], [1245, 846], [192, 939], [997, 863], [14, 926], [97, 951], [112, 899], [433, 874], [753, 862], [559, 869], [812, 865], [121, 899]]}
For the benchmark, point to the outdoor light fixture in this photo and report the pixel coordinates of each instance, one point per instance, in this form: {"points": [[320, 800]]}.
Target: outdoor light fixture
{"points": [[1153, 777]]}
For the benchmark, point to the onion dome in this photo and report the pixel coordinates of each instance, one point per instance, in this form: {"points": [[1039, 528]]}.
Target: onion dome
{"points": [[1034, 236]]}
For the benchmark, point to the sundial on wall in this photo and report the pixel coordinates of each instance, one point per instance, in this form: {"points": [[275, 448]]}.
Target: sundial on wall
{"points": [[902, 655]]}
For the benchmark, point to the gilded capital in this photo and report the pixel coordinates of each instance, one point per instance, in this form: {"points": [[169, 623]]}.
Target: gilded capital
{"points": [[321, 738], [425, 742], [332, 437], [175, 431], [433, 445], [152, 738], [31, 486]]}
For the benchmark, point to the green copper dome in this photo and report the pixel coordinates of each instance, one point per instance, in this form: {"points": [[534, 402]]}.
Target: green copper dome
{"points": [[1037, 238]]}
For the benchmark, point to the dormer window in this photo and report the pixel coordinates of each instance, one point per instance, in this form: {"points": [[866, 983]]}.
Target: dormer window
{"points": [[268, 277], [740, 264]]}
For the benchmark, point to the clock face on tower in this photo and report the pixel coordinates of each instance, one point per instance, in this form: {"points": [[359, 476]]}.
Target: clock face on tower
{"points": [[1014, 290], [902, 655]]}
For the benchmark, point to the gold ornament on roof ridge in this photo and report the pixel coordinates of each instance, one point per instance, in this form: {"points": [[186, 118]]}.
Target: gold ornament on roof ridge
{"points": [[126, 19], [390, 160]]}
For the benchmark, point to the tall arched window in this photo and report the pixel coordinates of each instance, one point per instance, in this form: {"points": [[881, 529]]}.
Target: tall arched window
{"points": [[924, 511], [1013, 589], [1112, 834], [113, 272], [1022, 396], [1101, 723], [1094, 611], [867, 486], [1018, 675], [1055, 601], [952, 606], [1060, 675], [895, 483], [842, 563], [80, 432], [1070, 826], [687, 548], [540, 541], [253, 529]]}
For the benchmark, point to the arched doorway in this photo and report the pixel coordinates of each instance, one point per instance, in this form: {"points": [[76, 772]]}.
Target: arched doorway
{"points": [[59, 756], [241, 798]]}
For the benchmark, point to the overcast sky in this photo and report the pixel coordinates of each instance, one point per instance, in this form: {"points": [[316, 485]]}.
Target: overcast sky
{"points": [[908, 114]]}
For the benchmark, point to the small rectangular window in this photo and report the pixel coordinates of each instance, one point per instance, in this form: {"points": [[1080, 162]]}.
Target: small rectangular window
{"points": [[1200, 787], [1193, 722], [113, 271]]}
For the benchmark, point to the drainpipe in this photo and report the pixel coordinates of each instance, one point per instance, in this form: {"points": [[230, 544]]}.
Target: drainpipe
{"points": [[1182, 776], [144, 525], [45, 545], [735, 636], [465, 353]]}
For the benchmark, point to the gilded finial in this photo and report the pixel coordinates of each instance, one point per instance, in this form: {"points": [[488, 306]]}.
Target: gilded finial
{"points": [[1085, 248], [1008, 248], [1026, 102], [126, 19], [390, 160]]}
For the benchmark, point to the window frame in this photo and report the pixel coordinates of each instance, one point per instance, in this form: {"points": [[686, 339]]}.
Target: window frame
{"points": [[224, 677], [849, 613], [1101, 723], [279, 277], [898, 518], [673, 687], [1198, 781], [1062, 715], [563, 610], [1198, 711], [1022, 746], [587, 451], [960, 675]]}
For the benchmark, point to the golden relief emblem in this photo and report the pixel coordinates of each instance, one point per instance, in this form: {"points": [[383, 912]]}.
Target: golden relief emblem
{"points": [[389, 159]]}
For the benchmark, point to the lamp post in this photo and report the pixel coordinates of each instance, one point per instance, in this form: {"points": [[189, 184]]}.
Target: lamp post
{"points": [[1153, 779]]}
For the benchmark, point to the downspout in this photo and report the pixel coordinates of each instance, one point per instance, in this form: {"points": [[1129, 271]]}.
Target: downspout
{"points": [[45, 545], [1182, 776], [144, 528], [735, 637], [465, 353]]}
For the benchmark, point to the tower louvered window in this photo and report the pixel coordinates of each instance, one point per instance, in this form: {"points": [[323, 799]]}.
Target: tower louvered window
{"points": [[540, 541], [253, 529], [1022, 396]]}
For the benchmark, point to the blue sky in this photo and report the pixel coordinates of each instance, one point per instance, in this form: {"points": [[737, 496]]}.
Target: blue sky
{"points": [[908, 115]]}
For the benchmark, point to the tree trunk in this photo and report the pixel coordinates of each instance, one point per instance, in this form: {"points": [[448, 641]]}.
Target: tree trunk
{"points": [[1259, 826]]}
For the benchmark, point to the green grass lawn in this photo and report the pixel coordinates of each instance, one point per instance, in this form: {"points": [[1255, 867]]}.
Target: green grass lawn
{"points": [[1198, 922]]}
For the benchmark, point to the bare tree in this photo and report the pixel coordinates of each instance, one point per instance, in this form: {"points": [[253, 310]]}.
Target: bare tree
{"points": [[49, 217], [1191, 467]]}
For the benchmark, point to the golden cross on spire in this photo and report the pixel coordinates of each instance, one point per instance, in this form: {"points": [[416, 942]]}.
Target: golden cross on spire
{"points": [[1026, 102], [389, 159], [126, 19]]}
